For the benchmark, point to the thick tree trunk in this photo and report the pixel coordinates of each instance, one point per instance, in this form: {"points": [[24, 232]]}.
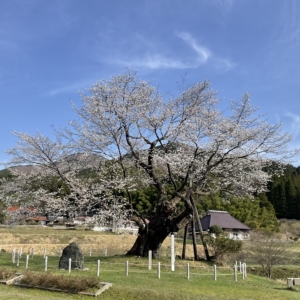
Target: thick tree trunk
{"points": [[152, 235], [149, 240]]}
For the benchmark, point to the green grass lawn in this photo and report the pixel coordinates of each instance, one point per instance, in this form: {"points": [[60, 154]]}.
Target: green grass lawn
{"points": [[143, 284]]}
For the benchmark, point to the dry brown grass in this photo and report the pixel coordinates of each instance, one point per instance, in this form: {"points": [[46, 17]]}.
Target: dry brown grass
{"points": [[52, 240]]}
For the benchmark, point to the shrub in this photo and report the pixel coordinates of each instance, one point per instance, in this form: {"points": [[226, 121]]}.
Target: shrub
{"points": [[222, 246], [67, 283], [6, 274], [217, 230]]}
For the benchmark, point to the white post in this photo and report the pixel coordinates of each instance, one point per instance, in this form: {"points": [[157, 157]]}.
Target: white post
{"points": [[70, 264], [13, 256], [21, 252], [245, 269], [241, 267], [98, 267], [45, 251], [27, 259], [172, 253], [126, 268], [59, 251], [215, 272], [149, 260], [46, 263], [18, 258], [235, 272], [188, 271], [90, 251], [105, 252], [158, 270]]}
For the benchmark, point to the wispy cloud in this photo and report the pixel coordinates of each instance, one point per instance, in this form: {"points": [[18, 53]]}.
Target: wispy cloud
{"points": [[293, 124], [222, 4], [68, 87], [175, 60], [155, 61], [203, 53]]}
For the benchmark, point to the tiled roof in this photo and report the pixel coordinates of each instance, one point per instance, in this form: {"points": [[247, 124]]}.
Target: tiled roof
{"points": [[12, 208]]}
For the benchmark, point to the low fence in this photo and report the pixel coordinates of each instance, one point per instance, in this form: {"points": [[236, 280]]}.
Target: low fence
{"points": [[99, 266]]}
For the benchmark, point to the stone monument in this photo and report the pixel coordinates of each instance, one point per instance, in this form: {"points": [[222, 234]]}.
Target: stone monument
{"points": [[72, 251]]}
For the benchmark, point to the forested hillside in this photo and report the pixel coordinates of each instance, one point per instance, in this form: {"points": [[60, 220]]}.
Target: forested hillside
{"points": [[282, 201], [285, 193]]}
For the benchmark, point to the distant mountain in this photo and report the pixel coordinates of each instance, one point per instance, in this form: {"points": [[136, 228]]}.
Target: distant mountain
{"points": [[85, 160]]}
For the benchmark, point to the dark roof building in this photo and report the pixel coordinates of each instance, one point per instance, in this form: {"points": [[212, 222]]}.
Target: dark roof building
{"points": [[222, 219], [234, 228]]}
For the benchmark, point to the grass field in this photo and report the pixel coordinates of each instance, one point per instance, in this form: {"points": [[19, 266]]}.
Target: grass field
{"points": [[140, 283]]}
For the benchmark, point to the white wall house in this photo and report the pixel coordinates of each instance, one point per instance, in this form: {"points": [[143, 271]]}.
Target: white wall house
{"points": [[234, 228]]}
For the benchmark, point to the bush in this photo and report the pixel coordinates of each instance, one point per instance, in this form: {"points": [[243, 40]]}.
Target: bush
{"points": [[222, 246], [66, 283], [6, 274], [217, 230]]}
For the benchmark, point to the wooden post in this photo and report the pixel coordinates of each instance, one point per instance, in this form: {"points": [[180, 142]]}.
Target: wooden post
{"points": [[215, 272], [194, 239], [91, 251], [59, 251], [184, 240], [243, 271], [21, 252], [70, 264], [105, 252], [98, 267], [158, 270], [27, 259], [126, 268], [32, 251], [149, 260], [196, 215], [46, 263], [188, 271], [172, 253]]}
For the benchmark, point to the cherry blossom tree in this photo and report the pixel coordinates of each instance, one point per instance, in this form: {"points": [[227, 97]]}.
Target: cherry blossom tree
{"points": [[185, 146], [185, 141], [47, 161]]}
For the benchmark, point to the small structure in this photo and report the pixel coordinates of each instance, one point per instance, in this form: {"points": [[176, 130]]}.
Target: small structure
{"points": [[235, 229], [72, 251]]}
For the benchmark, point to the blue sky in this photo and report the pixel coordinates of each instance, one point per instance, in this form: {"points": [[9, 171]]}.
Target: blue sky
{"points": [[51, 49]]}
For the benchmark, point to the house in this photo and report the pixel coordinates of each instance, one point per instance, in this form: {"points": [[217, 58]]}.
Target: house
{"points": [[234, 228], [19, 215]]}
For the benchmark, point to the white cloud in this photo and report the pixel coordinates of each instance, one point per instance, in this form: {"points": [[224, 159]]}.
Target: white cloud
{"points": [[203, 53], [151, 54], [155, 61], [68, 87], [294, 123]]}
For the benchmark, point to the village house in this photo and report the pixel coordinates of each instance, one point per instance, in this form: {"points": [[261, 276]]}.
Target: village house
{"points": [[235, 229]]}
